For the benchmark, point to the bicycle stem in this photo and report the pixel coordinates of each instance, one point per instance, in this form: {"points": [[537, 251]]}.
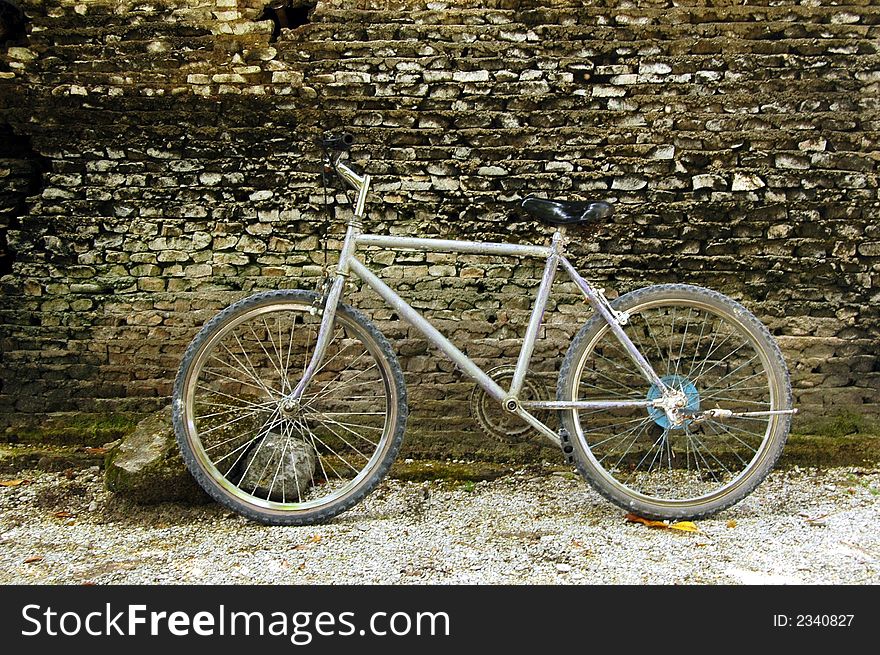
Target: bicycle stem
{"points": [[360, 183]]}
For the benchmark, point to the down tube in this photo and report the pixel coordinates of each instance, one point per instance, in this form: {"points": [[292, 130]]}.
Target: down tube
{"points": [[413, 317], [459, 358]]}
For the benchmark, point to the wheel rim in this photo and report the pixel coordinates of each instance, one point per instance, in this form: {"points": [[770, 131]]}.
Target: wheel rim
{"points": [[253, 446], [714, 359]]}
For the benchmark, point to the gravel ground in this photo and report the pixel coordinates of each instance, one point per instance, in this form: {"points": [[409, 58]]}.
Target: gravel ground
{"points": [[531, 527]]}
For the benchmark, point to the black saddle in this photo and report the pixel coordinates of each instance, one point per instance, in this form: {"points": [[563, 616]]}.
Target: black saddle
{"points": [[560, 212]]}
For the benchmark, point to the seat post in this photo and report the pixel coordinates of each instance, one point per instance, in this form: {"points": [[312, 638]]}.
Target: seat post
{"points": [[558, 240]]}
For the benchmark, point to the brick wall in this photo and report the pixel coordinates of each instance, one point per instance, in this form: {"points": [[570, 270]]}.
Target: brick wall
{"points": [[739, 143]]}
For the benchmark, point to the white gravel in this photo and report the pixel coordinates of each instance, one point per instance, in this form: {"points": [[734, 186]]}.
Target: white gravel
{"points": [[800, 526]]}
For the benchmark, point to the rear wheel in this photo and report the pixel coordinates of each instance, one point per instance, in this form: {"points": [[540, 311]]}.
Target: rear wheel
{"points": [[718, 355], [270, 460]]}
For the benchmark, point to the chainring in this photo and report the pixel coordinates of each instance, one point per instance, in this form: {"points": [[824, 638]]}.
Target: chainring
{"points": [[493, 419]]}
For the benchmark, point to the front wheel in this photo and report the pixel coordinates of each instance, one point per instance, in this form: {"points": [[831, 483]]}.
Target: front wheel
{"points": [[275, 461], [719, 356]]}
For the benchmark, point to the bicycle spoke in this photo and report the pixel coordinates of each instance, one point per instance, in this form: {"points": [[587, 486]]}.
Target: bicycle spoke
{"points": [[320, 394], [338, 456], [653, 338], [697, 348], [636, 430], [683, 339], [672, 456], [302, 424], [263, 348], [733, 386], [228, 423], [671, 335], [702, 373], [735, 454], [263, 449], [735, 400], [347, 427], [231, 379], [200, 417], [264, 431], [226, 395], [252, 373]]}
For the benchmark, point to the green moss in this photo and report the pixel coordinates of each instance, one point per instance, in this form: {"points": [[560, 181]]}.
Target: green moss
{"points": [[842, 424], [827, 451], [165, 479], [423, 444], [147, 466], [14, 458], [74, 429]]}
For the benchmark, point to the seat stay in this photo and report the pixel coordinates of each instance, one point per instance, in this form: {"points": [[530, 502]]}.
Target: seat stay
{"points": [[615, 324]]}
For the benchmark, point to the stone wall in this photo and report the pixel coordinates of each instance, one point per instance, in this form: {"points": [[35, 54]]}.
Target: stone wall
{"points": [[738, 141]]}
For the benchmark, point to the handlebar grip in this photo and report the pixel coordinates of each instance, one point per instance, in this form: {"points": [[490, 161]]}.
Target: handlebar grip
{"points": [[338, 142]]}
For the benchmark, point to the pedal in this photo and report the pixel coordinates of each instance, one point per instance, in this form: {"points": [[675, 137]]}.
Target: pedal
{"points": [[567, 448]]}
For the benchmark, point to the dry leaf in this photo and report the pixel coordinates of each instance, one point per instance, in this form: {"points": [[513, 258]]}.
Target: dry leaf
{"points": [[731, 523], [11, 483], [816, 520], [684, 526], [635, 518], [34, 560], [311, 540], [63, 514]]}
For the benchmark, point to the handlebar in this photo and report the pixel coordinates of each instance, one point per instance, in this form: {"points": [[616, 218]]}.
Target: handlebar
{"points": [[349, 173], [337, 142]]}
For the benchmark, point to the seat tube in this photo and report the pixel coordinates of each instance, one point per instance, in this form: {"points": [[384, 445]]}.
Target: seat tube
{"points": [[537, 317]]}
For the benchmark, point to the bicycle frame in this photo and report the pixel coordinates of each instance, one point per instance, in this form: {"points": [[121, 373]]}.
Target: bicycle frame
{"points": [[554, 253]]}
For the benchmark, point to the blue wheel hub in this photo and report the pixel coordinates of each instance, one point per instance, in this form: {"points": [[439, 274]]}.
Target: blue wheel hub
{"points": [[679, 383]]}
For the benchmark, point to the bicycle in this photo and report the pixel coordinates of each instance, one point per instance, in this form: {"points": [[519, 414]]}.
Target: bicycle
{"points": [[290, 406]]}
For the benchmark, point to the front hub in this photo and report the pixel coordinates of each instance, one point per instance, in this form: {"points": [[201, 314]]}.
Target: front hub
{"points": [[290, 407]]}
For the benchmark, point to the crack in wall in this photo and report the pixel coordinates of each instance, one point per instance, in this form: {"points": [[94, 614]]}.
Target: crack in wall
{"points": [[21, 176], [287, 14], [13, 24]]}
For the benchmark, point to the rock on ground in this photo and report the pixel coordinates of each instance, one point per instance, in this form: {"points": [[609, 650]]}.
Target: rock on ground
{"points": [[279, 466], [146, 466]]}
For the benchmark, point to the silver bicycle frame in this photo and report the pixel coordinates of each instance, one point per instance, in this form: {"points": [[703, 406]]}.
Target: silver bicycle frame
{"points": [[350, 264]]}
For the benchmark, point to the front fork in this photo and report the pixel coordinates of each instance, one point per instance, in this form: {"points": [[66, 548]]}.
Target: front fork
{"points": [[330, 303], [325, 332]]}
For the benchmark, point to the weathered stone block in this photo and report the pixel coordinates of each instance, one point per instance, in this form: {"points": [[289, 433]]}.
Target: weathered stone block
{"points": [[147, 468]]}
